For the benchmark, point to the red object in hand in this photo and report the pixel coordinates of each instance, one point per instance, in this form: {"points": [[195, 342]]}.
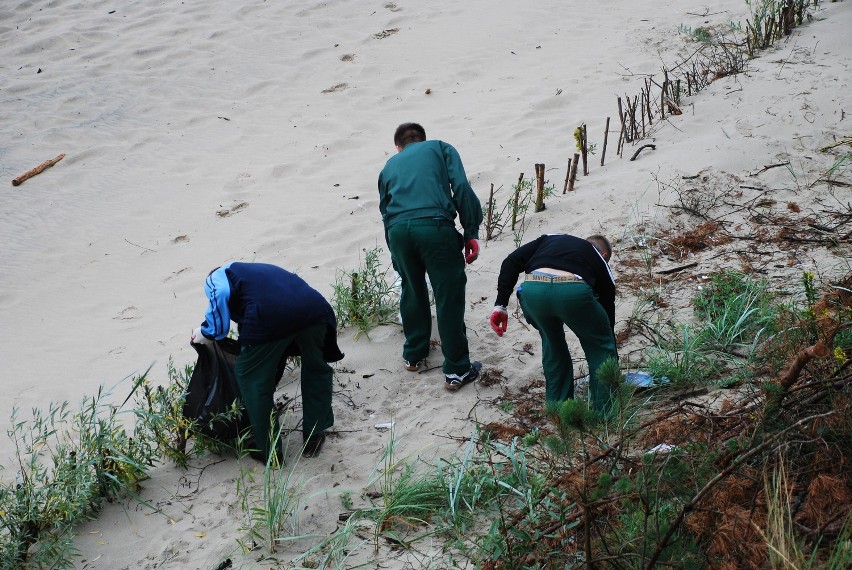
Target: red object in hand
{"points": [[499, 321], [471, 250]]}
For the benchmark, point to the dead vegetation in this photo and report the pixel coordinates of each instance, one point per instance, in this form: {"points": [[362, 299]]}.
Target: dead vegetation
{"points": [[744, 465]]}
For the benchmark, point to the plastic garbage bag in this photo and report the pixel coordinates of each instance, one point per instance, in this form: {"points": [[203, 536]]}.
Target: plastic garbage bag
{"points": [[213, 390]]}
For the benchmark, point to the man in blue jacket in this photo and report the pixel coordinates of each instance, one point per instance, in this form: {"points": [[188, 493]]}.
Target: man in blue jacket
{"points": [[277, 314], [567, 282], [421, 190]]}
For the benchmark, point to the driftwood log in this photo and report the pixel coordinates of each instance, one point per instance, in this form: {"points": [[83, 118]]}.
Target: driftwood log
{"points": [[37, 170]]}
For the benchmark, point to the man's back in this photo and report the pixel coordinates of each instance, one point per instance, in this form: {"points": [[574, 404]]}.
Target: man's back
{"points": [[416, 182]]}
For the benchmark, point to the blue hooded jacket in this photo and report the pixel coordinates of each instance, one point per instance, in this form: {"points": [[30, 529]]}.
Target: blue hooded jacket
{"points": [[268, 303]]}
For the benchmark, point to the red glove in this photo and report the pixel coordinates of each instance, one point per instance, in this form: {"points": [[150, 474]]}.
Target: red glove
{"points": [[471, 250], [499, 320]]}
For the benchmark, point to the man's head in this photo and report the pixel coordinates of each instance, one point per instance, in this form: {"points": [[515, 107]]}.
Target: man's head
{"points": [[602, 245], [408, 133]]}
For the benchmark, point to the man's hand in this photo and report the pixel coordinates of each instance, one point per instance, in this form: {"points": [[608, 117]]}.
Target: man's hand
{"points": [[499, 320], [198, 338], [471, 250]]}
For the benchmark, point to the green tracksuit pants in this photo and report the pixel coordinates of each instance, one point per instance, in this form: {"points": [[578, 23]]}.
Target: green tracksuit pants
{"points": [[549, 307], [255, 370], [429, 246]]}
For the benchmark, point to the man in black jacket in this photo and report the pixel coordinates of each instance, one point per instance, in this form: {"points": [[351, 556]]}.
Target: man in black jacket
{"points": [[567, 282]]}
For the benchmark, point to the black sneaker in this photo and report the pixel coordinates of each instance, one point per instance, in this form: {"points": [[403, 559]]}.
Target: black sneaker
{"points": [[454, 381], [313, 445], [276, 462], [412, 366]]}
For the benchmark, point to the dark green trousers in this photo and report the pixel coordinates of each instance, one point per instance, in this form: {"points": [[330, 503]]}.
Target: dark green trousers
{"points": [[549, 307], [433, 247], [255, 370]]}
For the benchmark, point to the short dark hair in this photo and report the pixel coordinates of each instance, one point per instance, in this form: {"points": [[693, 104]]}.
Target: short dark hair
{"points": [[601, 244], [408, 133]]}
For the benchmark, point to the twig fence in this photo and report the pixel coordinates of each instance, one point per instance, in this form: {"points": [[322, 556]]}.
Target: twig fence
{"points": [[638, 114]]}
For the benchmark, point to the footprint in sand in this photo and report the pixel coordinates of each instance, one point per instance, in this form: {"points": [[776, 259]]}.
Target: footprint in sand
{"points": [[127, 314], [238, 207], [338, 87], [385, 33], [175, 274]]}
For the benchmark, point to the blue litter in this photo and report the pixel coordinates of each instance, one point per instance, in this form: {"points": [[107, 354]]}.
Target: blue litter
{"points": [[643, 380]]}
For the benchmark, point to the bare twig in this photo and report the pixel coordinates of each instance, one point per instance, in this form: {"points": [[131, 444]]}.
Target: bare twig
{"points": [[690, 506], [37, 170]]}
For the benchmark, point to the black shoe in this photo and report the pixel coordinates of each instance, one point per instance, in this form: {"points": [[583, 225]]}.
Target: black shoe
{"points": [[258, 456], [454, 381], [277, 460], [313, 445]]}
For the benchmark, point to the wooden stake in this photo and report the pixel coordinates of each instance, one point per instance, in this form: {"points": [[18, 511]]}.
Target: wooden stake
{"points": [[37, 170], [539, 196], [606, 135], [648, 107], [573, 172], [488, 227], [356, 299], [515, 201], [567, 177], [585, 148], [632, 127]]}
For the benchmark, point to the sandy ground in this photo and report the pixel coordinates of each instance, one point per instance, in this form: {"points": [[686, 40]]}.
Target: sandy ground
{"points": [[197, 133]]}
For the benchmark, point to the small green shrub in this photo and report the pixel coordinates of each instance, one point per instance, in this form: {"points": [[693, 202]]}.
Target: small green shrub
{"points": [[699, 34], [365, 297], [67, 464], [680, 358], [271, 500], [525, 192], [160, 419], [731, 288]]}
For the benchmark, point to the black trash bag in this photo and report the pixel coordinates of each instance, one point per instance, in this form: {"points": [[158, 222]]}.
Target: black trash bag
{"points": [[213, 389]]}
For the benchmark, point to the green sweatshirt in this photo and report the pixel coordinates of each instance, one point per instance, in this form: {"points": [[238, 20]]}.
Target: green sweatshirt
{"points": [[427, 180]]}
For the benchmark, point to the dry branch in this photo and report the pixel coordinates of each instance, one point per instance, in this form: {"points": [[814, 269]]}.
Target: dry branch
{"points": [[791, 375], [488, 227], [37, 170], [515, 201], [676, 269], [644, 146], [721, 476], [765, 168]]}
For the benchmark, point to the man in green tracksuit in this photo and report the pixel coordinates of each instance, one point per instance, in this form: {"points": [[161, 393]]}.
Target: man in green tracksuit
{"points": [[421, 190]]}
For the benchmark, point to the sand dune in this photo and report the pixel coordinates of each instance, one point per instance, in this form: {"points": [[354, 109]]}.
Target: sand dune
{"points": [[201, 132]]}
